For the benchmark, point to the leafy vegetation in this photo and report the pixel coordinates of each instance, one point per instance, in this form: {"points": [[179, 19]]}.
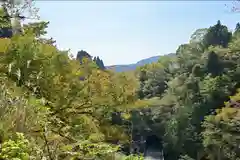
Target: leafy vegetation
{"points": [[54, 107], [192, 88]]}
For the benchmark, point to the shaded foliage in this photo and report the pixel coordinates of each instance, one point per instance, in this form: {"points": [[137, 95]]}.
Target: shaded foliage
{"points": [[54, 107], [198, 80]]}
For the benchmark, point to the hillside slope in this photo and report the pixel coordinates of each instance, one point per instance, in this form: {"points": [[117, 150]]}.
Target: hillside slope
{"points": [[130, 67]]}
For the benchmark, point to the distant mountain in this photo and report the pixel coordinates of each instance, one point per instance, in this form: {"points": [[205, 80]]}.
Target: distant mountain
{"points": [[130, 67]]}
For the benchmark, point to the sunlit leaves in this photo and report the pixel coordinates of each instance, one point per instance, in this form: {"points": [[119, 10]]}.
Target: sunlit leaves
{"points": [[37, 28], [17, 148], [133, 157], [73, 109], [198, 35], [204, 74], [4, 44], [221, 135]]}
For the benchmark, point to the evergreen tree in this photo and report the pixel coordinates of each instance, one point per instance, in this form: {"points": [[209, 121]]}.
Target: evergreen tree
{"points": [[83, 54], [237, 30], [99, 62], [102, 64], [217, 35]]}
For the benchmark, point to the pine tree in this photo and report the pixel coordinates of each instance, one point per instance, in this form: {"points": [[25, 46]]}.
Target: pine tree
{"points": [[237, 28], [217, 35], [102, 64], [99, 62], [83, 54]]}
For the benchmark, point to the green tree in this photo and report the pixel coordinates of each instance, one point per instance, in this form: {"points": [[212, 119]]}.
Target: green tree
{"points": [[221, 134], [217, 35]]}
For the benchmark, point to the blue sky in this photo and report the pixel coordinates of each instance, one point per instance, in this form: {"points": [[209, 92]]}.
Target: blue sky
{"points": [[123, 32]]}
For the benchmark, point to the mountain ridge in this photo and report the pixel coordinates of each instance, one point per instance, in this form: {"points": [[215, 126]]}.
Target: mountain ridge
{"points": [[133, 66]]}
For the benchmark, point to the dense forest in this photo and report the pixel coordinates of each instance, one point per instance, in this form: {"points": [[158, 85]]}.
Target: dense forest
{"points": [[57, 107]]}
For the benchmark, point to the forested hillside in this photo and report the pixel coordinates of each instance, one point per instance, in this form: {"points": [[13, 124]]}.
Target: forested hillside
{"points": [[197, 111], [57, 107], [134, 66]]}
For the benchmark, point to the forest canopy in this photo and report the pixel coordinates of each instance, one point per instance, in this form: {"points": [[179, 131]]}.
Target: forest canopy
{"points": [[54, 107]]}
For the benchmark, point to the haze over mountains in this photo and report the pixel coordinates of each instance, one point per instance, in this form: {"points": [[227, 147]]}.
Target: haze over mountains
{"points": [[119, 68], [130, 67]]}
